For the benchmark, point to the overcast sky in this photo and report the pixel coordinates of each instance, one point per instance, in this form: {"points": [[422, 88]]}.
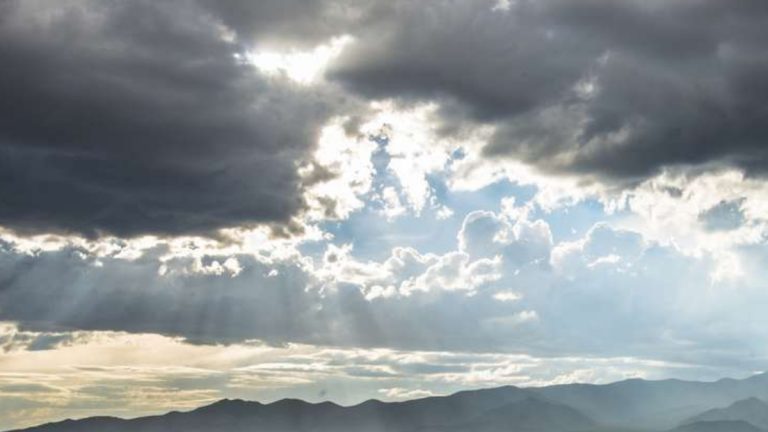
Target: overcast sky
{"points": [[353, 199]]}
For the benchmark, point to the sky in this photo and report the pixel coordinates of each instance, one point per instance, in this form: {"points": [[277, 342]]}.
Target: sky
{"points": [[353, 199]]}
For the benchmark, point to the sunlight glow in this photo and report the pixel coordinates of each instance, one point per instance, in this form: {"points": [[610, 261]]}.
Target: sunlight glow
{"points": [[303, 67]]}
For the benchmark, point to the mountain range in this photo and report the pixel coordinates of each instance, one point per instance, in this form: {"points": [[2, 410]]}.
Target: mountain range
{"points": [[726, 405]]}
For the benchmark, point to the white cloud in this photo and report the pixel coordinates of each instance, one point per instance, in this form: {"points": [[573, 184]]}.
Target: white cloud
{"points": [[443, 212], [507, 296], [670, 208], [414, 149], [303, 67], [455, 272], [341, 171], [392, 205], [399, 393]]}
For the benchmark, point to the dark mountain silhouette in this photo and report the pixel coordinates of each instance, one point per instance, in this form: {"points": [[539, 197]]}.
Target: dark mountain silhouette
{"points": [[527, 415], [626, 405], [752, 410], [718, 426], [434, 414]]}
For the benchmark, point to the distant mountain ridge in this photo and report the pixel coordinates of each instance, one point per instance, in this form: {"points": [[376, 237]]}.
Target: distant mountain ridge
{"points": [[718, 426], [527, 415], [672, 405], [752, 410], [657, 405]]}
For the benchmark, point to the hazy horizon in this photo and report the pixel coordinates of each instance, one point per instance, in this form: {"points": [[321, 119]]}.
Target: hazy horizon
{"points": [[725, 405]]}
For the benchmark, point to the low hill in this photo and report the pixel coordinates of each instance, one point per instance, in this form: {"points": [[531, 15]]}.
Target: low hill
{"points": [[752, 410], [718, 426]]}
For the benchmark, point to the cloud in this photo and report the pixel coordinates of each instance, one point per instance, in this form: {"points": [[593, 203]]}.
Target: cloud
{"points": [[186, 117], [137, 118], [602, 89], [205, 298], [341, 172], [403, 393], [714, 211], [511, 235], [611, 292]]}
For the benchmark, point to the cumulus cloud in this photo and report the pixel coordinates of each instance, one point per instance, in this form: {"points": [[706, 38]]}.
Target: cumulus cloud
{"points": [[610, 293]]}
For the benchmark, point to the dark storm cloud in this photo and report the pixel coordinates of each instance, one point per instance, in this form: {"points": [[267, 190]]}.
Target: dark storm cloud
{"points": [[136, 117], [613, 89]]}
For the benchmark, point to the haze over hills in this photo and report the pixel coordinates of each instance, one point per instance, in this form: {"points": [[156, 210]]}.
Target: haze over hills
{"points": [[752, 410], [681, 406], [718, 426], [654, 404]]}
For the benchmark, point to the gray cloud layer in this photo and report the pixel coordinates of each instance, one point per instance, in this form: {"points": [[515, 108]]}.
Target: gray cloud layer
{"points": [[135, 117], [613, 89]]}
